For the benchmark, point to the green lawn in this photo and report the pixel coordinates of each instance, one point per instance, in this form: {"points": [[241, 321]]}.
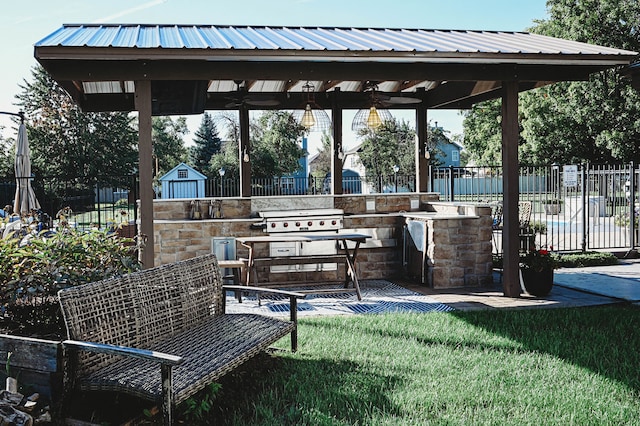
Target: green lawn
{"points": [[547, 366]]}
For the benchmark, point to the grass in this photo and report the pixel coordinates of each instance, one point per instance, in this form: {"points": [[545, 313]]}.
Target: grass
{"points": [[552, 366]]}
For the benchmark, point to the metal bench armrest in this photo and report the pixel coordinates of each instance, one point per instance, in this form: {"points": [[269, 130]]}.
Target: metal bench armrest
{"points": [[104, 348], [264, 290]]}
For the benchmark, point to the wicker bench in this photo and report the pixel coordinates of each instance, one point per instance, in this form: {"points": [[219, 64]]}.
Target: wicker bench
{"points": [[162, 333]]}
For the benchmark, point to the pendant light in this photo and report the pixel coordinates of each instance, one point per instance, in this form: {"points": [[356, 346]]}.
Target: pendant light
{"points": [[312, 117], [372, 117]]}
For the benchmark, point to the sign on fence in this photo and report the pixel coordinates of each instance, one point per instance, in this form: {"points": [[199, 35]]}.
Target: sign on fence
{"points": [[570, 176]]}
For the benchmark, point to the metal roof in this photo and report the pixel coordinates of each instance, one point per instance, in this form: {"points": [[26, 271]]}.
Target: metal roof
{"points": [[211, 37], [98, 64]]}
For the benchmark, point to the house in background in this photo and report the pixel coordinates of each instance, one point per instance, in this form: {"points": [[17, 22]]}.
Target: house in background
{"points": [[183, 181], [297, 182], [446, 152]]}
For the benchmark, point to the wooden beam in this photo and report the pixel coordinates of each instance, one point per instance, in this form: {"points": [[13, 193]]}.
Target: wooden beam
{"points": [[110, 70], [336, 148], [245, 144], [145, 152], [422, 163], [511, 227]]}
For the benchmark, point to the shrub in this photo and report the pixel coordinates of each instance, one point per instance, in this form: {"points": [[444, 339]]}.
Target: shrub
{"points": [[573, 260], [592, 258], [32, 271]]}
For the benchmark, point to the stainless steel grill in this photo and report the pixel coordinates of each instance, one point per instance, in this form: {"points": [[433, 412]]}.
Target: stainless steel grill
{"points": [[303, 221], [313, 220]]}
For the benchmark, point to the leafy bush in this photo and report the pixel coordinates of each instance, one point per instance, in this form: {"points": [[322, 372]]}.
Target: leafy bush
{"points": [[573, 260], [592, 258], [33, 270]]}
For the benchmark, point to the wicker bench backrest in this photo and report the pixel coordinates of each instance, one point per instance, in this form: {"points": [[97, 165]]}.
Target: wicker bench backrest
{"points": [[141, 308]]}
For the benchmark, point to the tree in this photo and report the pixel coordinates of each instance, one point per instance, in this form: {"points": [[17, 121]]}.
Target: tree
{"points": [[391, 144], [323, 161], [66, 142], [168, 144], [207, 143], [596, 120], [7, 156], [275, 147]]}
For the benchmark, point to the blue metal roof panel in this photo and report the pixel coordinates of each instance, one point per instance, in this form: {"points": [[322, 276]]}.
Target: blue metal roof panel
{"points": [[316, 39]]}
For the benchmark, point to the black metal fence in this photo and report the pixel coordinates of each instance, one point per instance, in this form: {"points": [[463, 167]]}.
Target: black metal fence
{"points": [[99, 202], [574, 207]]}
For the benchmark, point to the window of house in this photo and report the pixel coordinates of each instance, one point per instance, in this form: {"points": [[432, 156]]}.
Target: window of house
{"points": [[455, 156], [183, 173]]}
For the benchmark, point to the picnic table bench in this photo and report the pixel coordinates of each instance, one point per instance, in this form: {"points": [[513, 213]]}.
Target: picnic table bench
{"points": [[162, 333]]}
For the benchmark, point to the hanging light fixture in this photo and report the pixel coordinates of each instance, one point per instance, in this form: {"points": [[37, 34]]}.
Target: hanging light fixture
{"points": [[313, 117], [373, 117]]}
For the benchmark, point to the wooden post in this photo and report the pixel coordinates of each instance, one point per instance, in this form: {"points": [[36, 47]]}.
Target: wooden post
{"points": [[422, 163], [145, 152], [510, 233], [337, 149], [245, 144]]}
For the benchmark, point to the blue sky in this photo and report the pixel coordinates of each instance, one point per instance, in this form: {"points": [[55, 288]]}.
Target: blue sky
{"points": [[23, 24]]}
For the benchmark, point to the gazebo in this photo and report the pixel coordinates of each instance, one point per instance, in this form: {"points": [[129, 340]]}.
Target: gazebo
{"points": [[188, 69]]}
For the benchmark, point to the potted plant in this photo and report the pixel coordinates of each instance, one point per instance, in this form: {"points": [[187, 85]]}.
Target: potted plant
{"points": [[537, 267], [552, 206]]}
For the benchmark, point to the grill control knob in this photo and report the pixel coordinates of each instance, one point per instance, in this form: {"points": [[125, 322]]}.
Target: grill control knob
{"points": [[309, 223], [297, 223], [273, 224], [333, 222], [286, 224], [322, 223]]}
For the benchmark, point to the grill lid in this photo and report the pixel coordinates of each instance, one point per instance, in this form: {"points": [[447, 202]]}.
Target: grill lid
{"points": [[275, 214]]}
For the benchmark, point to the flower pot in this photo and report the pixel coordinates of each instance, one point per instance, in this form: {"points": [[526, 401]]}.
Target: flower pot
{"points": [[551, 208], [537, 283]]}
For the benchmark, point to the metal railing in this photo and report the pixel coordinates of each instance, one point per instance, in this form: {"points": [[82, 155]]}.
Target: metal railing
{"points": [[105, 201], [580, 207]]}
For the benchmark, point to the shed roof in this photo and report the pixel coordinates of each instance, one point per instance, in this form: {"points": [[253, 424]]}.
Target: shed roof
{"points": [[207, 67]]}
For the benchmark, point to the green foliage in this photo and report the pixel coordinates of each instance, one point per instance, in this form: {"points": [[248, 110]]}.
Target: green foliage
{"points": [[31, 274], [479, 367], [65, 141], [275, 145], [580, 260], [391, 144], [323, 160], [168, 144], [574, 260], [538, 260], [571, 122], [207, 143], [197, 408], [538, 227]]}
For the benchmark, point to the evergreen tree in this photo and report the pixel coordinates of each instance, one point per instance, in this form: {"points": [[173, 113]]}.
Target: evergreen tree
{"points": [[207, 143]]}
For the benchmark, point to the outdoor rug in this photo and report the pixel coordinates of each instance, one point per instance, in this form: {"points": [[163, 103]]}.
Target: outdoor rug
{"points": [[378, 296]]}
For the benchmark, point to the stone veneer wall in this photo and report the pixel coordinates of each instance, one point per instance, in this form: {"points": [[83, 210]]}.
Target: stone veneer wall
{"points": [[459, 253], [178, 237]]}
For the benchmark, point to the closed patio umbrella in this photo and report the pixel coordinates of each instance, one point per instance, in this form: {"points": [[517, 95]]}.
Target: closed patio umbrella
{"points": [[25, 199]]}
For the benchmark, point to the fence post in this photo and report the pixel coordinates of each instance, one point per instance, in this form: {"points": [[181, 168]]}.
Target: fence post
{"points": [[451, 184], [585, 205], [632, 205]]}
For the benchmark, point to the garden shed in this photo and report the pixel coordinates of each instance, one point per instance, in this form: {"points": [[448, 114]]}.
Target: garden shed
{"points": [[183, 181]]}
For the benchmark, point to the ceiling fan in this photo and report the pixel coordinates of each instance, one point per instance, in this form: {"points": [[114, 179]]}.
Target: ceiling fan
{"points": [[386, 100], [242, 97]]}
